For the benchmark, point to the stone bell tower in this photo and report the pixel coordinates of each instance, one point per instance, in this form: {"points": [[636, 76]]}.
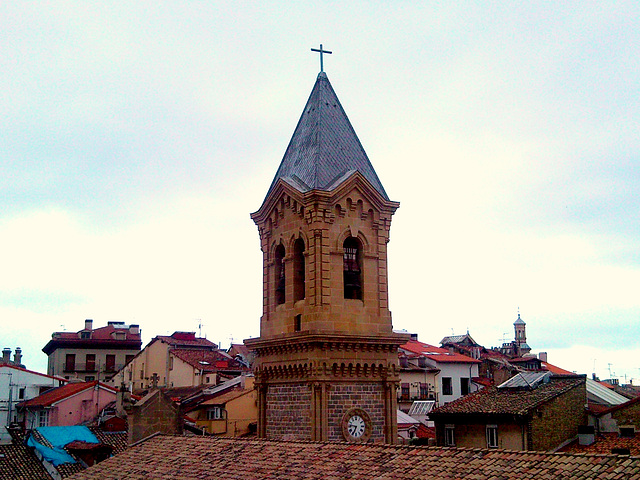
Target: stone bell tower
{"points": [[327, 358]]}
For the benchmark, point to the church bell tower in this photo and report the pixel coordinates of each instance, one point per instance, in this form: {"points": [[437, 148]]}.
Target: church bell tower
{"points": [[326, 363]]}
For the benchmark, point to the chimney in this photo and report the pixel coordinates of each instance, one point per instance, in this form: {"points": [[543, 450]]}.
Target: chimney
{"points": [[17, 356], [6, 355], [586, 434], [134, 329], [88, 324], [543, 356]]}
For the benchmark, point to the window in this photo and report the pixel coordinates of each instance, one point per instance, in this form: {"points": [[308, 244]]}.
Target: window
{"points": [[21, 393], [128, 359], [492, 436], [214, 413], [89, 378], [110, 363], [449, 439], [85, 335], [298, 270], [464, 386], [297, 323], [43, 418], [279, 275], [91, 362], [352, 269], [447, 386], [424, 390], [404, 391], [70, 363]]}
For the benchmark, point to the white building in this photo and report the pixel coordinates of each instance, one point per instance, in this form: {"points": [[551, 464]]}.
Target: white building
{"points": [[433, 373], [18, 384]]}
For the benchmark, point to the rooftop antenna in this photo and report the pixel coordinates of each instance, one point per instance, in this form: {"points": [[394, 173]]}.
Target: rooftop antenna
{"points": [[610, 369], [321, 51]]}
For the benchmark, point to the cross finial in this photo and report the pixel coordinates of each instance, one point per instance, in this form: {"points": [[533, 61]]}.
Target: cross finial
{"points": [[321, 51]]}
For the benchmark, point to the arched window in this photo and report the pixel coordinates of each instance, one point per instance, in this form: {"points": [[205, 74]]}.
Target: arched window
{"points": [[352, 267], [279, 274], [298, 270]]}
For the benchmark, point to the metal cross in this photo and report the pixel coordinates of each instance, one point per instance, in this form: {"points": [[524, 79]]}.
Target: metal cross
{"points": [[321, 51]]}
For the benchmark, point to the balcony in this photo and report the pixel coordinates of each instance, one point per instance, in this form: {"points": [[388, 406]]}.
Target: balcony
{"points": [[91, 368]]}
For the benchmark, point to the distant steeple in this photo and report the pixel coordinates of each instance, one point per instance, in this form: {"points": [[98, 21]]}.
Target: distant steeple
{"points": [[324, 150]]}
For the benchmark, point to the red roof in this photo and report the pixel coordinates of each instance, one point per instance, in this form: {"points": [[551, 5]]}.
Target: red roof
{"points": [[556, 370], [185, 339], [605, 443], [99, 336], [207, 360], [55, 395], [6, 365], [436, 354]]}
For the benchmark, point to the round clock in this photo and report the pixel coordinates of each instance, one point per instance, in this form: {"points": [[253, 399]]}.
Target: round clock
{"points": [[356, 425]]}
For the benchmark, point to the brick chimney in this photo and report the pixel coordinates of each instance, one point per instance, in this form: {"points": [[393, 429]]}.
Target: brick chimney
{"points": [[543, 356], [17, 356], [88, 324], [134, 329], [6, 355]]}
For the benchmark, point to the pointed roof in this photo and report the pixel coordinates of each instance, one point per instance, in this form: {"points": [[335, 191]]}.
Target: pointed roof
{"points": [[519, 321], [324, 149]]}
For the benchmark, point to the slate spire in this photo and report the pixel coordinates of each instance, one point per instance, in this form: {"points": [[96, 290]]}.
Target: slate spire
{"points": [[324, 149]]}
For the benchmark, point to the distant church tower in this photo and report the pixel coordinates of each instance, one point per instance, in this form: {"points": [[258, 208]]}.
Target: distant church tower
{"points": [[520, 328], [327, 359]]}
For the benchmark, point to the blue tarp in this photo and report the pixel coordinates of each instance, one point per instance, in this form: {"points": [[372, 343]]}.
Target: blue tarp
{"points": [[58, 437]]}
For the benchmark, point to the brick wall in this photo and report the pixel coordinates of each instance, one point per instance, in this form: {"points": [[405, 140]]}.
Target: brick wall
{"points": [[629, 415], [557, 421], [154, 413], [288, 412], [343, 397]]}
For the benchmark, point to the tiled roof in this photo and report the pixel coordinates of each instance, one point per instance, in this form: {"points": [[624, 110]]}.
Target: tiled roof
{"points": [[190, 458], [324, 149], [54, 395], [493, 400], [556, 370], [117, 440], [17, 462], [208, 360], [436, 354], [185, 339], [5, 365], [100, 336], [604, 443]]}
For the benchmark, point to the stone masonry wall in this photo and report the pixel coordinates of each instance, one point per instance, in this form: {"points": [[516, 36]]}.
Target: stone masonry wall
{"points": [[288, 410], [629, 415], [558, 421], [343, 397]]}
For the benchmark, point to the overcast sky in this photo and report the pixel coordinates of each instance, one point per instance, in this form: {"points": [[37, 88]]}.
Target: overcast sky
{"points": [[137, 137]]}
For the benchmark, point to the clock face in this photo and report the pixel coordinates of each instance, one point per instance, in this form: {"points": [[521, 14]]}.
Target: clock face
{"points": [[356, 425]]}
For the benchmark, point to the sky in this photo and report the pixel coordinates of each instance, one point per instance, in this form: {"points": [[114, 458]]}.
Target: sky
{"points": [[137, 137]]}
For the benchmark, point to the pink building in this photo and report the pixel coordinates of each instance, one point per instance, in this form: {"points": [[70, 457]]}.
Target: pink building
{"points": [[71, 404]]}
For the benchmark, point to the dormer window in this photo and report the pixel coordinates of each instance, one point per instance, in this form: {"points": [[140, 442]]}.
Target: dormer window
{"points": [[352, 269], [279, 275]]}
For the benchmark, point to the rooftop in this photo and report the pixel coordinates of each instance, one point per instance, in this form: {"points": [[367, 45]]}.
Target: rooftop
{"points": [[53, 396], [513, 401], [324, 149], [198, 457], [436, 354]]}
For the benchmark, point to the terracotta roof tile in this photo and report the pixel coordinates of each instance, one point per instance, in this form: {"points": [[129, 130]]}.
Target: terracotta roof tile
{"points": [[509, 401], [208, 360], [191, 458], [436, 354], [17, 462], [604, 443], [56, 394]]}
